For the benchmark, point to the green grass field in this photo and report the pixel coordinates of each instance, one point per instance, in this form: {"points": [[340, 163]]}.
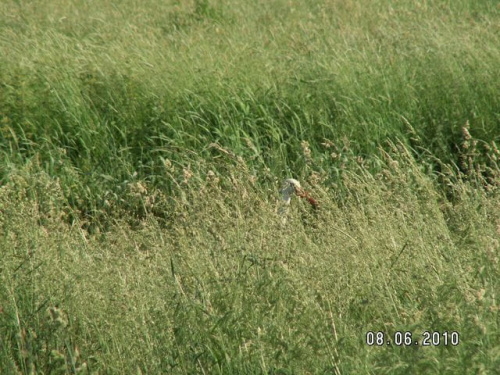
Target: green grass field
{"points": [[142, 148]]}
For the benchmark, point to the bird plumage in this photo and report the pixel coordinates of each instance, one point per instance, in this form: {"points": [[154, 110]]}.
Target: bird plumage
{"points": [[292, 187]]}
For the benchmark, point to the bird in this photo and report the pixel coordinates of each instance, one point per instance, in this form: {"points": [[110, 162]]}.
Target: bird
{"points": [[290, 188]]}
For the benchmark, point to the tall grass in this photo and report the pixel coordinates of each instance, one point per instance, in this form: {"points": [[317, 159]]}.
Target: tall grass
{"points": [[142, 145], [228, 289]]}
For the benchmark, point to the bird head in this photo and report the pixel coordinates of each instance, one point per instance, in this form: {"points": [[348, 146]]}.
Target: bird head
{"points": [[289, 188], [292, 187]]}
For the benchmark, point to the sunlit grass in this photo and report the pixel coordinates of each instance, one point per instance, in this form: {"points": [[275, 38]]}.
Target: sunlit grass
{"points": [[143, 146], [224, 286]]}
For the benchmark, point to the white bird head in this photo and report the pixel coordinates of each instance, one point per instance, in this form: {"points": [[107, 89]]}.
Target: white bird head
{"points": [[289, 188]]}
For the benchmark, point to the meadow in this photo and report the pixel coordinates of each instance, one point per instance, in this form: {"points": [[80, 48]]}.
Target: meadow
{"points": [[142, 149]]}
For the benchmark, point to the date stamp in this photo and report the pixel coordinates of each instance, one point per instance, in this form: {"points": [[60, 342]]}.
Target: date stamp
{"points": [[408, 338]]}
